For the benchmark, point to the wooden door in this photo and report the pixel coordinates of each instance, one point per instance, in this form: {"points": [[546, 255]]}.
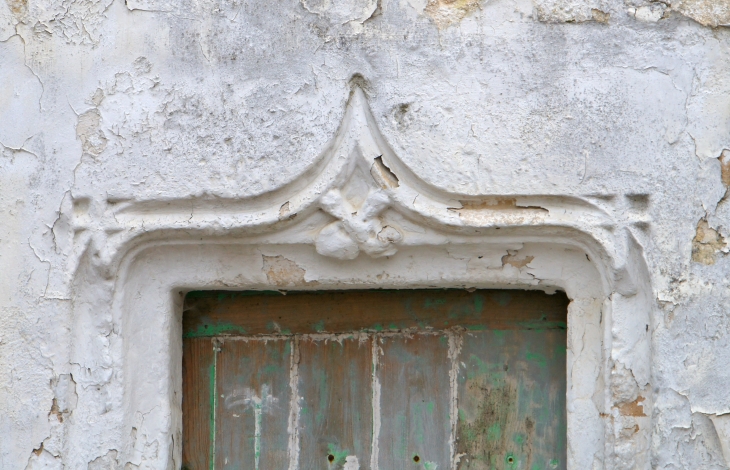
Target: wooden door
{"points": [[388, 380]]}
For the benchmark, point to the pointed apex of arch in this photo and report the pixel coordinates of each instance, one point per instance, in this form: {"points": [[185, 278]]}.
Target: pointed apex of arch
{"points": [[373, 201]]}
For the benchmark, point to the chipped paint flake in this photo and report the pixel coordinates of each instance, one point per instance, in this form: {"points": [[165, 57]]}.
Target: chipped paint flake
{"points": [[707, 244], [284, 272], [711, 13], [444, 13]]}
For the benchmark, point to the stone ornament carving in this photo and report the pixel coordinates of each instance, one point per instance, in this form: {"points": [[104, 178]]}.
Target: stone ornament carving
{"points": [[374, 201], [358, 228], [358, 204]]}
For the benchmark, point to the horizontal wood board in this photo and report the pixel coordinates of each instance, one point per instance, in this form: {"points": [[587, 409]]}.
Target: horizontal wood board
{"points": [[215, 313]]}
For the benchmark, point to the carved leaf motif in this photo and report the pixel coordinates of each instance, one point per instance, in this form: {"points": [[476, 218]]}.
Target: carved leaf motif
{"points": [[363, 227]]}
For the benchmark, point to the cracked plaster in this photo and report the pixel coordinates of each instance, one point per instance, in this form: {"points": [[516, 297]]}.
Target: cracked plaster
{"points": [[510, 127]]}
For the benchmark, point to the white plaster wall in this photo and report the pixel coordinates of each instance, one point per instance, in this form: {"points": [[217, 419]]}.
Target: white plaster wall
{"points": [[160, 105]]}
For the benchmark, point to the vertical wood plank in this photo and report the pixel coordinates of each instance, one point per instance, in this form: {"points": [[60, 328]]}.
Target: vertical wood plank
{"points": [[253, 404], [336, 403], [196, 402], [511, 400], [415, 427]]}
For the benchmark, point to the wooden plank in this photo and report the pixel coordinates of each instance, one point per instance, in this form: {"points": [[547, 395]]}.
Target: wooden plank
{"points": [[198, 373], [253, 404], [253, 313], [336, 403], [511, 386], [415, 427], [511, 400]]}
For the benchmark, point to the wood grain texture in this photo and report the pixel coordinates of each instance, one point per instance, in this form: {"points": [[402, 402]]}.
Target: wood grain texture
{"points": [[336, 403], [196, 402], [505, 380], [511, 400], [415, 425], [253, 404], [215, 313]]}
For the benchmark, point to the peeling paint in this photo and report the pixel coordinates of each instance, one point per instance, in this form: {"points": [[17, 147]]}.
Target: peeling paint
{"points": [[88, 131], [284, 272], [571, 11], [651, 13], [107, 461], [707, 244], [711, 13], [444, 13], [342, 12], [18, 7], [509, 211], [132, 127], [514, 260], [496, 204], [725, 168], [383, 174], [634, 408]]}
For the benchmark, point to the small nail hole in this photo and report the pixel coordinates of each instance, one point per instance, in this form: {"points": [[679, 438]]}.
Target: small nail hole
{"points": [[331, 458], [510, 460], [416, 458]]}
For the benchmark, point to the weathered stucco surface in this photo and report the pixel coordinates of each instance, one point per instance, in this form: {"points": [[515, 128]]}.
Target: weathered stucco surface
{"points": [[339, 143]]}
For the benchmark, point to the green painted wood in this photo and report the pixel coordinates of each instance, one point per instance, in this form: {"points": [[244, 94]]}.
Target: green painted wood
{"points": [[198, 372], [253, 404], [415, 426], [511, 400], [508, 368], [336, 403], [220, 313]]}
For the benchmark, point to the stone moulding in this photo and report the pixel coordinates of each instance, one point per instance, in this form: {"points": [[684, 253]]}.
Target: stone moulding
{"points": [[358, 217]]}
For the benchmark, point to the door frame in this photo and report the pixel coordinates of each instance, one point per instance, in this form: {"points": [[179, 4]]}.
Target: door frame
{"points": [[134, 266]]}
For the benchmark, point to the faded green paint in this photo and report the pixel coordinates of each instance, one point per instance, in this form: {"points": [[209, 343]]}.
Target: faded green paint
{"points": [[536, 358], [334, 386], [431, 303], [339, 454], [494, 432], [299, 312], [510, 386], [478, 303], [218, 329], [511, 399], [542, 325], [502, 298], [252, 383], [414, 378]]}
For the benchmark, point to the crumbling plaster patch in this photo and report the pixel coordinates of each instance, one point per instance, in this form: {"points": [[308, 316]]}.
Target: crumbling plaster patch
{"points": [[712, 13], [193, 114], [707, 244]]}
